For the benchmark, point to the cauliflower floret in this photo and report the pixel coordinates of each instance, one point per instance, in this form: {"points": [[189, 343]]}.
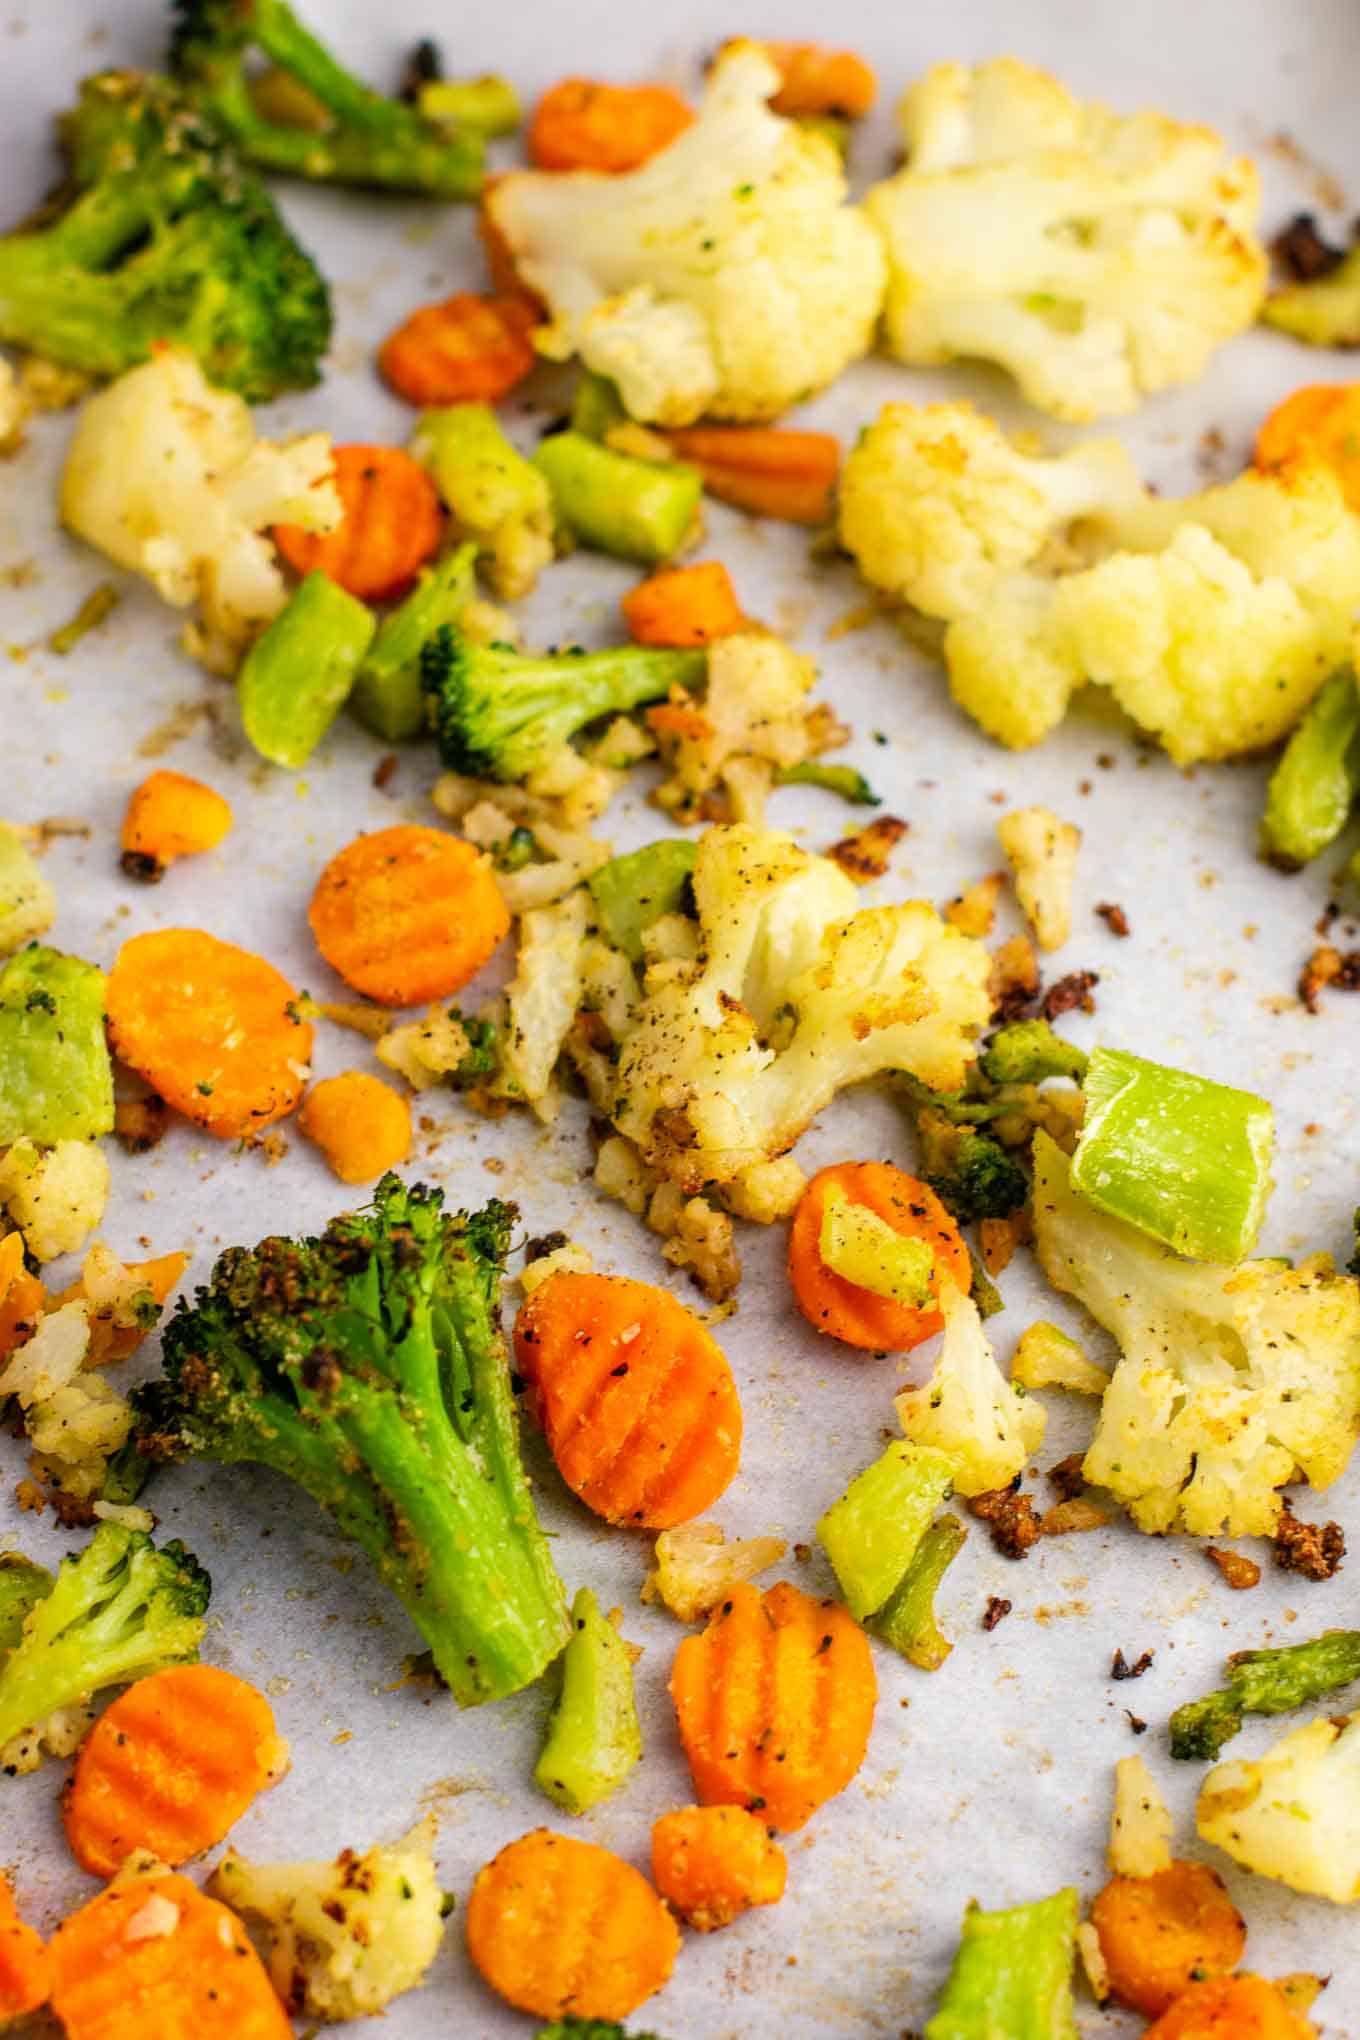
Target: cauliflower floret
{"points": [[1230, 1382], [696, 1567], [1293, 1814], [346, 1937], [1141, 1826], [426, 1052], [968, 1408], [1042, 854], [726, 277], [569, 1259], [74, 1420], [752, 717], [542, 999], [28, 905], [1046, 1357], [1094, 256], [54, 1196], [165, 476]]}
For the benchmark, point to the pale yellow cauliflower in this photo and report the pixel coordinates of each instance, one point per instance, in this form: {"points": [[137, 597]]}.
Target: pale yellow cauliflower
{"points": [[28, 905], [1293, 1814], [752, 719], [54, 1196], [968, 1409]]}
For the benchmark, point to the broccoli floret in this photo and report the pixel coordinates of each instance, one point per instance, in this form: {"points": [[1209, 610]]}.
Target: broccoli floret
{"points": [[342, 131], [118, 1610], [499, 712], [1028, 1051], [1266, 1682], [388, 696], [589, 2029], [22, 1586], [159, 234], [482, 1061], [368, 1366], [972, 1175]]}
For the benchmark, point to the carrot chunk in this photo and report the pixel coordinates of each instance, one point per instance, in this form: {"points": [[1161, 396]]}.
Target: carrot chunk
{"points": [[713, 1863], [25, 1964], [684, 606], [1231, 2008], [361, 1125], [1161, 1933], [817, 80], [1319, 422], [170, 816], [771, 472], [389, 528], [408, 914], [843, 1309], [467, 349], [581, 125], [23, 1297]]}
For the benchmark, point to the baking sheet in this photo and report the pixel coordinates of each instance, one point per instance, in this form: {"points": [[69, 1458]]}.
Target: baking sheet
{"points": [[991, 1778]]}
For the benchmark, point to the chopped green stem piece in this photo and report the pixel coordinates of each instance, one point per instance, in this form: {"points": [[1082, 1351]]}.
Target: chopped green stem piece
{"points": [[487, 106], [589, 2029], [850, 784], [872, 1534], [1324, 312], [635, 509], [519, 848], [1317, 781], [1012, 1976], [388, 697], [593, 1740], [1179, 1156], [493, 493], [297, 676], [482, 1061], [22, 1586], [984, 1291], [907, 1620], [1028, 1051], [596, 406], [1266, 1682], [28, 905], [98, 604], [860, 1247], [56, 1079], [633, 892]]}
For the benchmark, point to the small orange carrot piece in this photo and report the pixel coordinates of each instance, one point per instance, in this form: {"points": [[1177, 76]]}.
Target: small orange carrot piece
{"points": [[22, 1296], [25, 1964], [1161, 1933], [361, 1125], [560, 1927], [636, 1398], [817, 80], [170, 816], [844, 1310], [213, 1029], [170, 1767], [773, 473], [1231, 2008], [111, 1337], [408, 914], [1320, 422], [468, 349], [775, 1700], [713, 1863], [683, 606], [582, 125], [155, 1955], [389, 528]]}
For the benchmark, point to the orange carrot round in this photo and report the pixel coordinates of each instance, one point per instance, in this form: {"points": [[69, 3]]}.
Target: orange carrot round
{"points": [[467, 349], [1231, 2008], [1161, 1933], [25, 1964], [713, 1863], [170, 816], [683, 606], [213, 1029], [1319, 422], [171, 1766], [582, 125], [842, 1308], [636, 1398], [772, 473], [155, 1956], [775, 1700], [408, 914], [361, 1125], [389, 528], [23, 1296], [560, 1928], [816, 80]]}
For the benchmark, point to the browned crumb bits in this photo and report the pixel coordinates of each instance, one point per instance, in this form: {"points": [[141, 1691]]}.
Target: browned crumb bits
{"points": [[1010, 1517], [997, 1610], [1079, 1513], [1014, 983], [1070, 992], [1114, 917], [1327, 966], [1313, 1549], [384, 771], [1239, 1571], [1120, 1668], [1067, 1477], [140, 1122], [866, 854]]}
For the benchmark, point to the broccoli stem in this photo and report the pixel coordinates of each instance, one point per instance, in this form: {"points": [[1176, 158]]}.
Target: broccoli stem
{"points": [[1317, 780], [1012, 1974], [873, 1533], [593, 1739], [633, 892], [1176, 1155], [907, 1619], [388, 697], [1028, 1051], [1265, 1682], [844, 780], [297, 676], [489, 106], [56, 1079], [635, 509], [596, 406]]}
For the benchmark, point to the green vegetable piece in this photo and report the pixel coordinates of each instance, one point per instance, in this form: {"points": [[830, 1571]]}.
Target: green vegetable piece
{"points": [[1265, 1682], [984, 1291], [589, 2029], [971, 1173], [388, 697], [22, 1586], [482, 477], [1317, 780], [633, 892], [1179, 1156], [1028, 1051], [593, 1739], [860, 1247], [850, 784], [296, 678], [907, 1619], [596, 406], [1012, 1976], [98, 605], [487, 106], [635, 509], [56, 1079], [28, 905], [1325, 312], [872, 1534]]}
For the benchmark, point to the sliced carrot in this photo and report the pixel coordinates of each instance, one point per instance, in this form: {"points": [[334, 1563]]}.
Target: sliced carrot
{"points": [[1161, 1933], [467, 349], [111, 1336], [844, 1310], [408, 914], [170, 1767], [713, 1863], [389, 528], [155, 1956], [22, 1296], [25, 1964], [582, 125], [214, 1030], [773, 473], [1231, 2008], [684, 606], [1320, 422], [636, 1397], [361, 1125], [561, 1928], [170, 816], [775, 1700], [818, 80]]}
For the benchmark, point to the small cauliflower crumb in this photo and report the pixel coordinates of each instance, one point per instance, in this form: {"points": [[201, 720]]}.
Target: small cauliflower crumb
{"points": [[1140, 1825], [1042, 854], [696, 1567], [569, 1259], [1047, 1357]]}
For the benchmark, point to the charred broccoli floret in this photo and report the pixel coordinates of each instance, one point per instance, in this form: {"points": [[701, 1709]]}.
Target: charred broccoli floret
{"points": [[1265, 1682], [972, 1175], [368, 1366]]}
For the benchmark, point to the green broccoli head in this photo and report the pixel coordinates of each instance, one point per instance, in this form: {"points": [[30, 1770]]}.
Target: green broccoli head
{"points": [[368, 1366], [588, 2029], [1028, 1051], [482, 1061], [160, 235], [972, 1175], [22, 1585]]}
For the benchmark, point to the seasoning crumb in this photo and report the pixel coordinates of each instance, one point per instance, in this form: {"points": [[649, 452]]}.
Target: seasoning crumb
{"points": [[1239, 1571], [1136, 1722], [802, 1552], [867, 853], [996, 1611], [1313, 1549], [1327, 966], [385, 771], [1010, 1517], [1069, 993], [1120, 1668], [1067, 1476], [1114, 917]]}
